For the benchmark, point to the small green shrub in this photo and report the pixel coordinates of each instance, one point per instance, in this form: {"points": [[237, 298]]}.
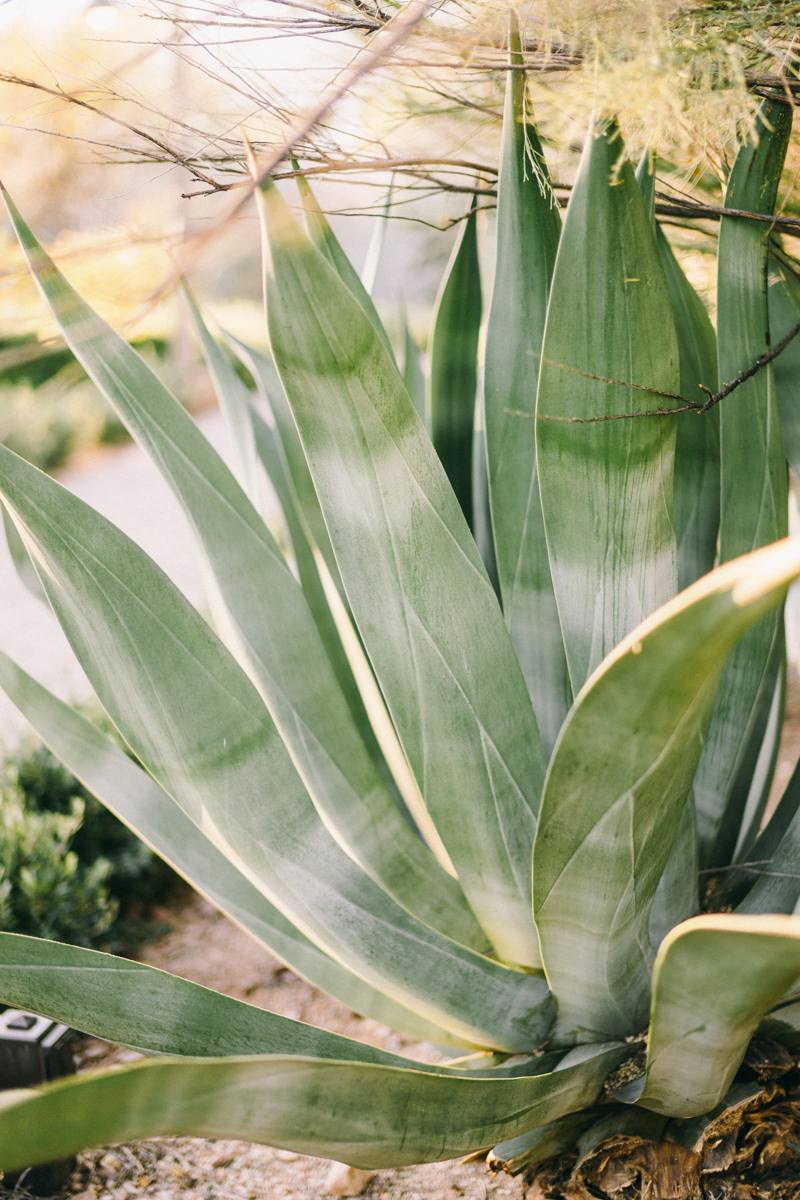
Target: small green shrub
{"points": [[45, 889], [69, 869]]}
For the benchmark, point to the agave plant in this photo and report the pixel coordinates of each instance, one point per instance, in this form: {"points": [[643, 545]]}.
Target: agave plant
{"points": [[475, 796]]}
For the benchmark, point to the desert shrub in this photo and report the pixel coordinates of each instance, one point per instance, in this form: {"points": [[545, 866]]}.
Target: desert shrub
{"points": [[70, 869]]}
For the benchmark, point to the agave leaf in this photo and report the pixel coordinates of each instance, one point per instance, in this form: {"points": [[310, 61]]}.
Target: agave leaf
{"points": [[606, 486], [481, 505], [271, 391], [454, 361], [413, 374], [617, 784], [360, 1113], [423, 604], [784, 313], [695, 493], [132, 1004], [754, 509], [545, 1141], [783, 1025], [340, 640], [369, 272], [136, 1005], [328, 244], [770, 871], [280, 639], [714, 979], [198, 725], [528, 228], [762, 774], [135, 797], [26, 571], [234, 400], [677, 896]]}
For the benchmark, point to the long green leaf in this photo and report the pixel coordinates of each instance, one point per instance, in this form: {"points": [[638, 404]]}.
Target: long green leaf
{"points": [[714, 979], [677, 896], [783, 1024], [364, 1114], [695, 495], [271, 391], [481, 504], [26, 572], [234, 401], [413, 374], [197, 723], [528, 229], [132, 1004], [606, 486], [423, 604], [328, 244], [767, 757], [545, 1141], [391, 854], [136, 798], [454, 361], [784, 313], [280, 638], [770, 871], [617, 784], [754, 508]]}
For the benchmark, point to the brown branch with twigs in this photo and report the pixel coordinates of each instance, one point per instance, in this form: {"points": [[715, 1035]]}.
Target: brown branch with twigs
{"points": [[688, 405], [390, 37]]}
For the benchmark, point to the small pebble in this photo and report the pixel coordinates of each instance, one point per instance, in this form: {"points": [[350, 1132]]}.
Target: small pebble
{"points": [[346, 1181], [286, 1155]]}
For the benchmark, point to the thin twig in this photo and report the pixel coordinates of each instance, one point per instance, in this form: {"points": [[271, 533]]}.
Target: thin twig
{"points": [[688, 405]]}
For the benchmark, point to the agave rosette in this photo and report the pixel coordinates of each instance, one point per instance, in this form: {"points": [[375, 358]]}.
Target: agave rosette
{"points": [[463, 774]]}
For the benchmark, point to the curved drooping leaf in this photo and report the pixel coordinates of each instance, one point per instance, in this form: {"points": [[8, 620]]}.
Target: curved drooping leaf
{"points": [[280, 638], [423, 604], [360, 1113], [454, 361], [617, 784], [714, 979], [327, 243], [136, 1005], [606, 486], [135, 797], [528, 228], [754, 503], [199, 726]]}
